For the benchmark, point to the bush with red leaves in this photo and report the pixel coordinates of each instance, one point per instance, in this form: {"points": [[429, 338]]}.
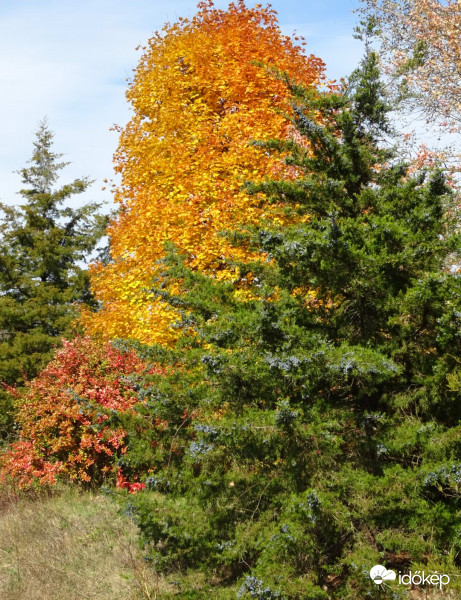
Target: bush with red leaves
{"points": [[65, 416]]}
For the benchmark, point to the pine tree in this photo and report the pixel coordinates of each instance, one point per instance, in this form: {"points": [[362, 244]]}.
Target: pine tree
{"points": [[43, 246]]}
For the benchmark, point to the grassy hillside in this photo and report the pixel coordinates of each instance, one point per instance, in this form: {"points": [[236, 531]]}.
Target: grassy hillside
{"points": [[71, 546]]}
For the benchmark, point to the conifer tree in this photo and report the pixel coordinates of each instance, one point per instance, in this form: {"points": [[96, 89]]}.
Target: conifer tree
{"points": [[43, 246], [313, 427]]}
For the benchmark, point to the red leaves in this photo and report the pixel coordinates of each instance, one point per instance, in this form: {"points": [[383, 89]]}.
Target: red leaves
{"points": [[63, 413], [132, 487]]}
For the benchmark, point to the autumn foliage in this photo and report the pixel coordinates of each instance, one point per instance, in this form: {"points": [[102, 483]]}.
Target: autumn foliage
{"points": [[421, 51], [306, 424], [200, 94], [65, 416]]}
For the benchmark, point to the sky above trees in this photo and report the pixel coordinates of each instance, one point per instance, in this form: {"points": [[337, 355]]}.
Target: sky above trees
{"points": [[69, 61]]}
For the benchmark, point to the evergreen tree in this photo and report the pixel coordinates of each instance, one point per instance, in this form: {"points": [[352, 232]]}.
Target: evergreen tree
{"points": [[311, 430], [43, 246], [306, 425]]}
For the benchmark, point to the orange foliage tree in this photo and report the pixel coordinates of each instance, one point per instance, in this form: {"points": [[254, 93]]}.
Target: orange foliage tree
{"points": [[200, 94]]}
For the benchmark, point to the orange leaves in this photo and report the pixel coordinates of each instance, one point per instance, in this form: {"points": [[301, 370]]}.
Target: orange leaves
{"points": [[199, 97], [64, 416]]}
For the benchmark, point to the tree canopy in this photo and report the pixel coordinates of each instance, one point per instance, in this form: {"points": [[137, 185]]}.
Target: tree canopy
{"points": [[277, 404], [313, 427], [199, 95], [299, 434], [421, 51]]}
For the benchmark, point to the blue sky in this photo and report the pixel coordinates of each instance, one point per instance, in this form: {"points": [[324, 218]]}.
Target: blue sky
{"points": [[69, 60]]}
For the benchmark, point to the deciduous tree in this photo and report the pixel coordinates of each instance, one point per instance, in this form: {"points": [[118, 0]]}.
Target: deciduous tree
{"points": [[421, 50], [199, 95]]}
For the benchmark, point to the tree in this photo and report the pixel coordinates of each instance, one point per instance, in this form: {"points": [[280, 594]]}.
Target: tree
{"points": [[42, 277], [199, 96], [422, 53], [314, 425]]}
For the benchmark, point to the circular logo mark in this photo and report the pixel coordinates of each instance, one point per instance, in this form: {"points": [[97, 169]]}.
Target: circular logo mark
{"points": [[380, 574]]}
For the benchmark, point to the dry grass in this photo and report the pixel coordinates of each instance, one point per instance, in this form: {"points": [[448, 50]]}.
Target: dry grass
{"points": [[432, 594], [72, 546], [75, 546]]}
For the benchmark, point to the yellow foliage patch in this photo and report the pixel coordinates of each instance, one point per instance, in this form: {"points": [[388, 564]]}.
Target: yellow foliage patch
{"points": [[199, 98]]}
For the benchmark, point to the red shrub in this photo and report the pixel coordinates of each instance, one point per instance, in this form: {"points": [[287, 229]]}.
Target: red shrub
{"points": [[65, 416]]}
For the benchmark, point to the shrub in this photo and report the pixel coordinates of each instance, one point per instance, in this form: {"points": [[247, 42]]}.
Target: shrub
{"points": [[70, 416]]}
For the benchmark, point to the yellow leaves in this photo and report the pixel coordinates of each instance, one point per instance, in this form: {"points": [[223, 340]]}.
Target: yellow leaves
{"points": [[198, 99]]}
